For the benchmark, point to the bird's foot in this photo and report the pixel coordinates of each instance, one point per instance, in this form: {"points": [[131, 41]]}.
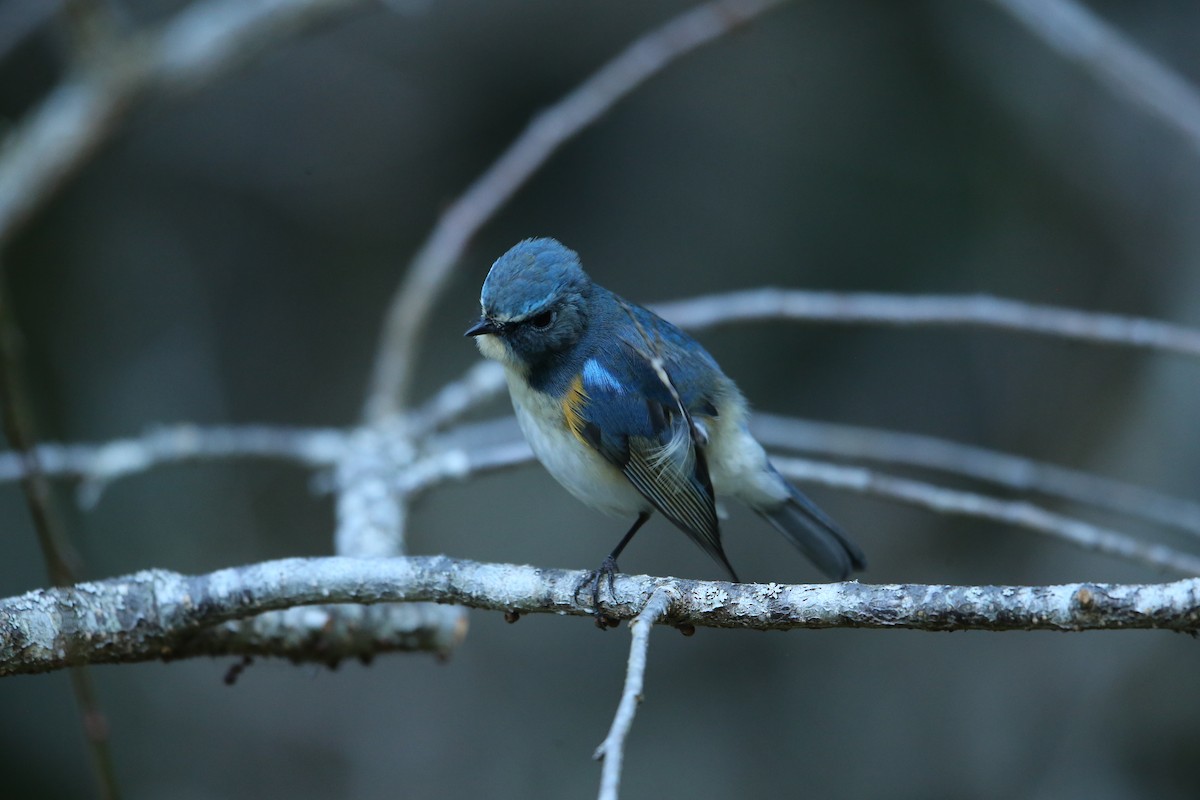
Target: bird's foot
{"points": [[606, 573]]}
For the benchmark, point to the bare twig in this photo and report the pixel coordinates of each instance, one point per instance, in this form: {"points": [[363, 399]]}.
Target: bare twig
{"points": [[969, 310], [550, 129], [1113, 59], [1012, 512], [98, 465], [201, 43], [480, 383], [486, 379], [1015, 472], [460, 463], [152, 615], [612, 749], [55, 550]]}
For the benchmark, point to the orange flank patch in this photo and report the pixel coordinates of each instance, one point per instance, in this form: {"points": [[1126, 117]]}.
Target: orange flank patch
{"points": [[573, 403]]}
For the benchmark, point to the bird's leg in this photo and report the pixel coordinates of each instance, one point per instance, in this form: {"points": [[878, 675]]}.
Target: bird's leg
{"points": [[608, 570]]}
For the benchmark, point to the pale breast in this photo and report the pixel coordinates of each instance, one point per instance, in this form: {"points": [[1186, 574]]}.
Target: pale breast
{"points": [[581, 470]]}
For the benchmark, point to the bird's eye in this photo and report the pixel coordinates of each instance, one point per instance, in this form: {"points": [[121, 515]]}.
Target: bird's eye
{"points": [[542, 320]]}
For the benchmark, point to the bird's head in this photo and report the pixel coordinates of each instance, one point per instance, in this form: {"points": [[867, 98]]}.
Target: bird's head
{"points": [[534, 304]]}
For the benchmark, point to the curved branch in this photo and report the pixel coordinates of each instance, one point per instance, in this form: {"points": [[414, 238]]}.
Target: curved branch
{"points": [[984, 311], [152, 615]]}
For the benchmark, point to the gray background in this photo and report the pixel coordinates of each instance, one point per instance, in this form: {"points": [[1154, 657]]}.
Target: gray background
{"points": [[227, 259]]}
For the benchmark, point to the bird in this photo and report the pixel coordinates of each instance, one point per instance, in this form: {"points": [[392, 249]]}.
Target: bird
{"points": [[632, 415]]}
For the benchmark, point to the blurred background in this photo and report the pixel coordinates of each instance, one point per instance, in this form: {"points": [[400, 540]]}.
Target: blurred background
{"points": [[227, 259]]}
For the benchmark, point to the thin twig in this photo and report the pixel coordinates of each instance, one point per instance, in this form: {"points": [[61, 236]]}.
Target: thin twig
{"points": [[461, 463], [1014, 472], [969, 310], [482, 381], [612, 749], [486, 379], [98, 465], [426, 275], [1013, 512], [1119, 64], [477, 448], [153, 615], [55, 551]]}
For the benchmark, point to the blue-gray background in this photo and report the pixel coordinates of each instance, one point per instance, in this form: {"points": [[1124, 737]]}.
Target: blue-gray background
{"points": [[228, 256]]}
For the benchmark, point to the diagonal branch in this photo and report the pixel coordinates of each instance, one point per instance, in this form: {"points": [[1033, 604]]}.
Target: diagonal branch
{"points": [[55, 549], [1003, 469], [426, 276], [1113, 59], [1012, 512], [201, 43], [153, 615]]}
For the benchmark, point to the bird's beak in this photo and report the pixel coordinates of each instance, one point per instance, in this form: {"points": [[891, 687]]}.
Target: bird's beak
{"points": [[484, 325]]}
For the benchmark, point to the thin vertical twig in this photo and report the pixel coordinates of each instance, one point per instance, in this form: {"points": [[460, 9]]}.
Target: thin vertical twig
{"points": [[55, 551], [612, 749], [427, 273]]}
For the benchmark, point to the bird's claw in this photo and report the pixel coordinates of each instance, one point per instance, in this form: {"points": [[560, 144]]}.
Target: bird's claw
{"points": [[606, 573]]}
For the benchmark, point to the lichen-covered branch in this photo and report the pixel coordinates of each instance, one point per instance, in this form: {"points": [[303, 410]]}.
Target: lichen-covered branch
{"points": [[158, 614]]}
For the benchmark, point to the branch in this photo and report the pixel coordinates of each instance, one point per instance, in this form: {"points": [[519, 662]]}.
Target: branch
{"points": [[612, 749], [98, 465], [1113, 59], [18, 431], [1012, 512], [855, 308], [462, 462], [426, 275], [198, 45], [331, 634], [483, 381], [1004, 469], [154, 614]]}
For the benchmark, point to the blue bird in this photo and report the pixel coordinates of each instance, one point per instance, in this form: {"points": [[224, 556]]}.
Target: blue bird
{"points": [[630, 414]]}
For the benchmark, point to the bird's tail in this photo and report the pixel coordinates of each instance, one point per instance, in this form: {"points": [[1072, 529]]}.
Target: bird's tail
{"points": [[815, 535]]}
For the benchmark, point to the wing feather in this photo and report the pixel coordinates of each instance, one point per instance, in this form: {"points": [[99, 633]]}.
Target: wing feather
{"points": [[650, 436]]}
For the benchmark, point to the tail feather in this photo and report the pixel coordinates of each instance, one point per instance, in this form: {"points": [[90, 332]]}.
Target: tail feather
{"points": [[817, 536]]}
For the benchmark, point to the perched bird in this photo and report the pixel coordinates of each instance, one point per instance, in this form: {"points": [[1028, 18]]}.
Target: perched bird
{"points": [[631, 414]]}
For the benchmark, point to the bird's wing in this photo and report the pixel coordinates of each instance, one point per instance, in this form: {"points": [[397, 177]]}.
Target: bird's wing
{"points": [[628, 407]]}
